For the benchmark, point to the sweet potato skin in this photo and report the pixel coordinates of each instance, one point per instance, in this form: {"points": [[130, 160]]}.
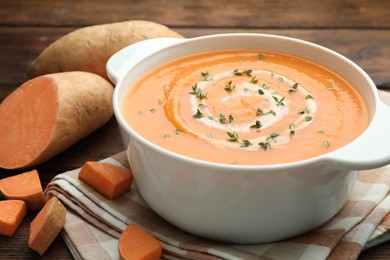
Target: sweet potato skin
{"points": [[46, 225], [89, 48], [84, 103]]}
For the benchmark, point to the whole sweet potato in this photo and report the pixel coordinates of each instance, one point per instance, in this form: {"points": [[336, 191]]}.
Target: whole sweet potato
{"points": [[89, 48], [48, 114]]}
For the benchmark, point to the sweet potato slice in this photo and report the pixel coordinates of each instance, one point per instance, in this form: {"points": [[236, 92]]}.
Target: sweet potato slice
{"points": [[48, 114], [108, 179], [46, 225], [12, 213], [137, 244], [25, 186], [89, 48]]}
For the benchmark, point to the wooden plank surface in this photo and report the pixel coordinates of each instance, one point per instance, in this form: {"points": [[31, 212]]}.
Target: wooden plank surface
{"points": [[359, 29], [202, 13]]}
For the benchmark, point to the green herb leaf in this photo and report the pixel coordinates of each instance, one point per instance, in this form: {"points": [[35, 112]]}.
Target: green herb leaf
{"points": [[292, 129], [178, 131], [202, 106], [229, 86], [309, 96], [166, 87], [238, 72], [256, 125], [233, 136], [261, 92], [198, 114], [265, 145], [261, 56], [153, 110], [279, 102], [254, 80], [308, 118], [326, 143], [196, 91], [224, 120], [304, 111], [209, 135], [246, 143], [205, 75]]}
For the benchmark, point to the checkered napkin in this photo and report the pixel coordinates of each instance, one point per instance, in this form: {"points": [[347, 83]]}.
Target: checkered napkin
{"points": [[94, 223]]}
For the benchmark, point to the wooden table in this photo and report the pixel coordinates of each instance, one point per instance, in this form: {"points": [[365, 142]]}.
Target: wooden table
{"points": [[358, 29]]}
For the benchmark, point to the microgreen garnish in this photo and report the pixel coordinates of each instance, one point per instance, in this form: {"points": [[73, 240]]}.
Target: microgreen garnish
{"points": [[292, 129], [326, 143], [166, 87], [198, 114], [321, 132], [202, 105], [224, 120], [273, 73], [303, 111], [209, 135], [178, 131], [281, 79], [153, 110], [309, 96], [196, 91], [293, 89], [265, 145], [238, 72], [260, 112], [246, 143], [205, 75], [264, 86], [229, 86], [246, 89], [273, 135], [261, 56], [254, 80], [212, 118], [279, 102], [256, 125], [308, 118], [233, 136], [260, 91]]}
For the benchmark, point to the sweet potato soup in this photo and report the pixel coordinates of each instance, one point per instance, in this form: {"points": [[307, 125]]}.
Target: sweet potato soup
{"points": [[245, 107]]}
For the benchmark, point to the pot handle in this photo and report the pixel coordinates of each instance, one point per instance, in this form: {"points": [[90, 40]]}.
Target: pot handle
{"points": [[372, 149], [119, 63]]}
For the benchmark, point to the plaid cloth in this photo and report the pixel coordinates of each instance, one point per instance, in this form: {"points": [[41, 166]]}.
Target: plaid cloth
{"points": [[94, 224]]}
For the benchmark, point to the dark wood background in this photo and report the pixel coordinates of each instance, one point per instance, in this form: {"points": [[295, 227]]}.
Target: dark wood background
{"points": [[358, 29]]}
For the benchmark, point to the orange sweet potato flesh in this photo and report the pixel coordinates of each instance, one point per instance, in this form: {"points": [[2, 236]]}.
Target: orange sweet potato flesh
{"points": [[110, 180], [25, 186], [137, 244], [46, 225], [48, 114], [89, 48], [11, 215]]}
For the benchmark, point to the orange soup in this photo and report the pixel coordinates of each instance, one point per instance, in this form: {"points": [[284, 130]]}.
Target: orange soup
{"points": [[245, 107]]}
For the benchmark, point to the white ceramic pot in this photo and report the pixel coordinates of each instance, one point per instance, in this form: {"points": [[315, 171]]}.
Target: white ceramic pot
{"points": [[246, 204]]}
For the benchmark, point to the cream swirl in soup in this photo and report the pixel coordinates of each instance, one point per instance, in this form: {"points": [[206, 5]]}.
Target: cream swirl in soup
{"points": [[245, 107]]}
